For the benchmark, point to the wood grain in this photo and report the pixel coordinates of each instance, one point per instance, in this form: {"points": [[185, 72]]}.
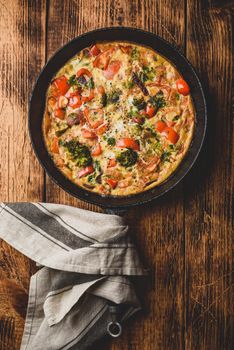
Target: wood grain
{"points": [[184, 238], [22, 47], [208, 224]]}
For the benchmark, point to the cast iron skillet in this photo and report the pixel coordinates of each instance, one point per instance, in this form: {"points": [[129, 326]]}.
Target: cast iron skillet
{"points": [[37, 104]]}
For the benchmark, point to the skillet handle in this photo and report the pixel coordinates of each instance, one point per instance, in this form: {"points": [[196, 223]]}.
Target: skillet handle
{"points": [[116, 211]]}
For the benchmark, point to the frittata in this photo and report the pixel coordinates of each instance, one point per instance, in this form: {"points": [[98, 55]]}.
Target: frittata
{"points": [[119, 118]]}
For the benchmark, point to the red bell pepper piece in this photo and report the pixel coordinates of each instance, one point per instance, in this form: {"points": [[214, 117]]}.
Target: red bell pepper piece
{"points": [[112, 183], [112, 69], [128, 143], [171, 135], [94, 50], [87, 170], [88, 134], [112, 162], [97, 150], [160, 126], [55, 145], [59, 113], [60, 86], [101, 129], [150, 111]]}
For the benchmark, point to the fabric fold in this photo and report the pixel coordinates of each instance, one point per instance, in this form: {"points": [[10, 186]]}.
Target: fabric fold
{"points": [[86, 258]]}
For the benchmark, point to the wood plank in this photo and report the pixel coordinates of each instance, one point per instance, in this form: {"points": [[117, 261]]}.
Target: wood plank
{"points": [[209, 234], [22, 45], [157, 228]]}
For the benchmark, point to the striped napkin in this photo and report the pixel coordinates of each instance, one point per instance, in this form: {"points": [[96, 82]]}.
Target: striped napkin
{"points": [[82, 287]]}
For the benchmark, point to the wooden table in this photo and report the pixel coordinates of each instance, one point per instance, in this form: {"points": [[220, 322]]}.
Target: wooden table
{"points": [[185, 238]]}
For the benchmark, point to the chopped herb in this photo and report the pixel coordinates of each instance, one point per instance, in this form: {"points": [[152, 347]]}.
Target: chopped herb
{"points": [[111, 141], [137, 129], [127, 158], [175, 118], [90, 178], [177, 96], [139, 103], [97, 166], [172, 147], [150, 132], [135, 53], [72, 80], [61, 131], [147, 73], [165, 156], [90, 83], [133, 113], [129, 84], [158, 100]]}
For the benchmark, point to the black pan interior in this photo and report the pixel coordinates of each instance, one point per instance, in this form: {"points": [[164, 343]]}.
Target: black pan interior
{"points": [[37, 104]]}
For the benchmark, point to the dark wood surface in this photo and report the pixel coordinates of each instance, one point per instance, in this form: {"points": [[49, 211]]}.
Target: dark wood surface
{"points": [[186, 237]]}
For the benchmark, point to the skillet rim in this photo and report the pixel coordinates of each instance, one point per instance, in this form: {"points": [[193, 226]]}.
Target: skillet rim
{"points": [[113, 202]]}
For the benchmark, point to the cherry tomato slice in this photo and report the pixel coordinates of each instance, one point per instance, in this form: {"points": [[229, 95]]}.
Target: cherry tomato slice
{"points": [[128, 143], [112, 183], [59, 113], [87, 170], [60, 86], [160, 126], [150, 111], [97, 150], [182, 87], [55, 145], [171, 135], [88, 134], [112, 69], [94, 50]]}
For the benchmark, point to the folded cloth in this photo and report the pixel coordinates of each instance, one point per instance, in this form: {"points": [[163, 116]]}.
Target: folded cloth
{"points": [[86, 258]]}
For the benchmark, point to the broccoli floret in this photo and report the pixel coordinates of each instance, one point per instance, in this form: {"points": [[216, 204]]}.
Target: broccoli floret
{"points": [[127, 158], [79, 153], [111, 141]]}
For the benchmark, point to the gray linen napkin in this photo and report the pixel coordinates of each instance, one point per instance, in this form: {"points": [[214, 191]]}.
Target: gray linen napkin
{"points": [[86, 257]]}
